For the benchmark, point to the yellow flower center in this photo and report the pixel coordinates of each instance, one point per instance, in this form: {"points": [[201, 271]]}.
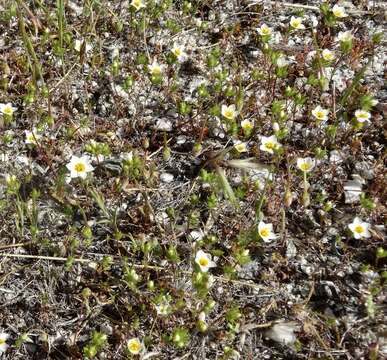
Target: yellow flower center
{"points": [[240, 147], [265, 31], [270, 145], [137, 3], [2, 341], [177, 52], [134, 346], [320, 114], [229, 114], [265, 232], [296, 23], [305, 166], [359, 229], [203, 261], [156, 70], [362, 116], [8, 110], [338, 13], [80, 167]]}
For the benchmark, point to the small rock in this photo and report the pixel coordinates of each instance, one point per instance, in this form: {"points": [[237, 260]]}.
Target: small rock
{"points": [[283, 332], [164, 124], [166, 177], [162, 217], [196, 235], [75, 8], [107, 329], [365, 170], [306, 267], [336, 157], [291, 250], [352, 189], [181, 140]]}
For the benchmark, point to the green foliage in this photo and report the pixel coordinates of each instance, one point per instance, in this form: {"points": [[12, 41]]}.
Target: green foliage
{"points": [[96, 344]]}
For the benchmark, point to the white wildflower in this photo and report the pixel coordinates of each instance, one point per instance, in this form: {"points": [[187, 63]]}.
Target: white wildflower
{"points": [[320, 114], [296, 23], [266, 232], [264, 30], [306, 164], [359, 228], [204, 261], [339, 11], [79, 166], [269, 144], [362, 115]]}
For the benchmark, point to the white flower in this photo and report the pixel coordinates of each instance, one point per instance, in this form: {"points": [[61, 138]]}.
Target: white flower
{"points": [[79, 166], [179, 52], [240, 147], [305, 164], [320, 114], [359, 228], [265, 231], [3, 345], [137, 4], [339, 11], [374, 102], [296, 23], [269, 144], [32, 137], [134, 346], [204, 261], [247, 125], [362, 115], [155, 68], [264, 30], [328, 55], [344, 36], [229, 112], [7, 109]]}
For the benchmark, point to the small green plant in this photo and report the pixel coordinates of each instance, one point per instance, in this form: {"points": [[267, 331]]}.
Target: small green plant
{"points": [[179, 337], [97, 343]]}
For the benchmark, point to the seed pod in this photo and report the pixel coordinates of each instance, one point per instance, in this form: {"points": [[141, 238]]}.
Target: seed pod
{"points": [[288, 198], [166, 153], [305, 199], [145, 143]]}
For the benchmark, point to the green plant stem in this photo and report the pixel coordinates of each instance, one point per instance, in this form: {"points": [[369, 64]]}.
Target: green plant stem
{"points": [[36, 68], [61, 16], [258, 212]]}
